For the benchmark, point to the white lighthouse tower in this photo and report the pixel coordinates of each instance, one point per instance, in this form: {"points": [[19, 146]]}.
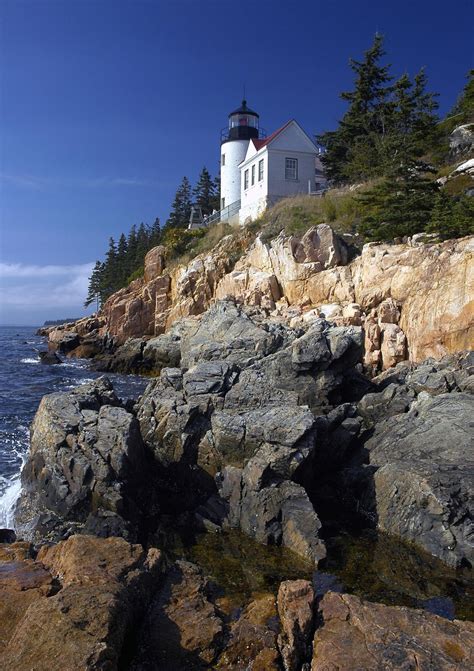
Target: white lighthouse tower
{"points": [[243, 126]]}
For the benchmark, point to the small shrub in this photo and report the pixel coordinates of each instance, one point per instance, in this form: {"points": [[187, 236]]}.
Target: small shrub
{"points": [[139, 272]]}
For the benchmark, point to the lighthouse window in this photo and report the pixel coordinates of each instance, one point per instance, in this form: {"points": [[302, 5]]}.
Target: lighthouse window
{"points": [[260, 170], [223, 159], [246, 179], [291, 168], [253, 174]]}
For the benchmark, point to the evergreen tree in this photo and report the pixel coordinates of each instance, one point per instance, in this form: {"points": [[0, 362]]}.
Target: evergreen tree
{"points": [[215, 203], [155, 233], [131, 251], [142, 245], [452, 217], [351, 150], [109, 271], [94, 292], [386, 125], [398, 206], [121, 261], [181, 207], [205, 192], [463, 110]]}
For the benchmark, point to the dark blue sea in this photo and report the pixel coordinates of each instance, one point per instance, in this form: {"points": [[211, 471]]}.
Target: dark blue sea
{"points": [[23, 382]]}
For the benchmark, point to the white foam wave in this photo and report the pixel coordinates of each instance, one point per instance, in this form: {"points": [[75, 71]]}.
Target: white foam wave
{"points": [[8, 501], [29, 360]]}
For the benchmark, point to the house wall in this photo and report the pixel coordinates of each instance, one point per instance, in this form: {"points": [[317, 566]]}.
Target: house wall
{"points": [[254, 199], [278, 186], [234, 151]]}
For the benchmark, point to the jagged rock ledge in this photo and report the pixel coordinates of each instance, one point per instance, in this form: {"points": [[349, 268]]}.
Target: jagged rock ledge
{"points": [[414, 300]]}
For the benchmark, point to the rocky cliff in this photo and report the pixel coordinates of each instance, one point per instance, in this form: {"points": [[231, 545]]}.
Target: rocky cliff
{"points": [[413, 300]]}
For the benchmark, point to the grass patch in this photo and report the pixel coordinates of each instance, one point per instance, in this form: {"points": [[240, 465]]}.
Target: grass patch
{"points": [[456, 186], [296, 215]]}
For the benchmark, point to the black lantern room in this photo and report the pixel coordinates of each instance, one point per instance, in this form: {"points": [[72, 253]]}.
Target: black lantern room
{"points": [[243, 124]]}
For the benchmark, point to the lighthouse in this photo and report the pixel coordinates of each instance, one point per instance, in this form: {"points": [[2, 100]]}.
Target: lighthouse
{"points": [[243, 127]]}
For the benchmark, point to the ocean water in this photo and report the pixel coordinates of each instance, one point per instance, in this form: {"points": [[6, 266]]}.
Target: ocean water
{"points": [[23, 382]]}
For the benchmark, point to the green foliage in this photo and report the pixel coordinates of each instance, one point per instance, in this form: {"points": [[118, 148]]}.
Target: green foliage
{"points": [[452, 217], [178, 240], [386, 124], [206, 193], [136, 275], [123, 262], [463, 110], [181, 207], [397, 206]]}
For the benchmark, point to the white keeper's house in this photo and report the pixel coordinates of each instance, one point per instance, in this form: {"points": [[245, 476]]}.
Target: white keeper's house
{"points": [[258, 170]]}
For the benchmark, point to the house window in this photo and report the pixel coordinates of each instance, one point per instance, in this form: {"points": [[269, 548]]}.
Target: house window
{"points": [[260, 170], [291, 168], [246, 179], [223, 203], [223, 159], [253, 174]]}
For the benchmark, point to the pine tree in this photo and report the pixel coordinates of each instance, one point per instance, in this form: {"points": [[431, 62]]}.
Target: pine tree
{"points": [[400, 205], [351, 150], [181, 207], [204, 192], [216, 199], [121, 260], [94, 291], [452, 217], [131, 251], [142, 245], [155, 233], [109, 273], [463, 110]]}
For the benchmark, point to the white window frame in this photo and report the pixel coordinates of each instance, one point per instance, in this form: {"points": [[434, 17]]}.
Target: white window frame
{"points": [[246, 179], [260, 170], [252, 180], [291, 169]]}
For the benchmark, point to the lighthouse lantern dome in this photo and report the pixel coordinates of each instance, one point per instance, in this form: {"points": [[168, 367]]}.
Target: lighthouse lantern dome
{"points": [[243, 123]]}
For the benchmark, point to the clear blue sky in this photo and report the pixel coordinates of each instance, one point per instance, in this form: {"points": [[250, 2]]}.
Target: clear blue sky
{"points": [[106, 104]]}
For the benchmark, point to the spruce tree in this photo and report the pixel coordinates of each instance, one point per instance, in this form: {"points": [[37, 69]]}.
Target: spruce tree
{"points": [[94, 290], [131, 251], [204, 192], [400, 205], [351, 150], [463, 111], [181, 207], [155, 233], [142, 246], [109, 282], [121, 260], [452, 217]]}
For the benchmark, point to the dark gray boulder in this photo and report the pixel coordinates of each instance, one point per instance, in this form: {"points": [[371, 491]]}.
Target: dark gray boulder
{"points": [[86, 459], [49, 358], [423, 476]]}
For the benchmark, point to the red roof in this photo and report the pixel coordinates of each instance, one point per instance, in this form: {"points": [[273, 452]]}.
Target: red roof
{"points": [[258, 144]]}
